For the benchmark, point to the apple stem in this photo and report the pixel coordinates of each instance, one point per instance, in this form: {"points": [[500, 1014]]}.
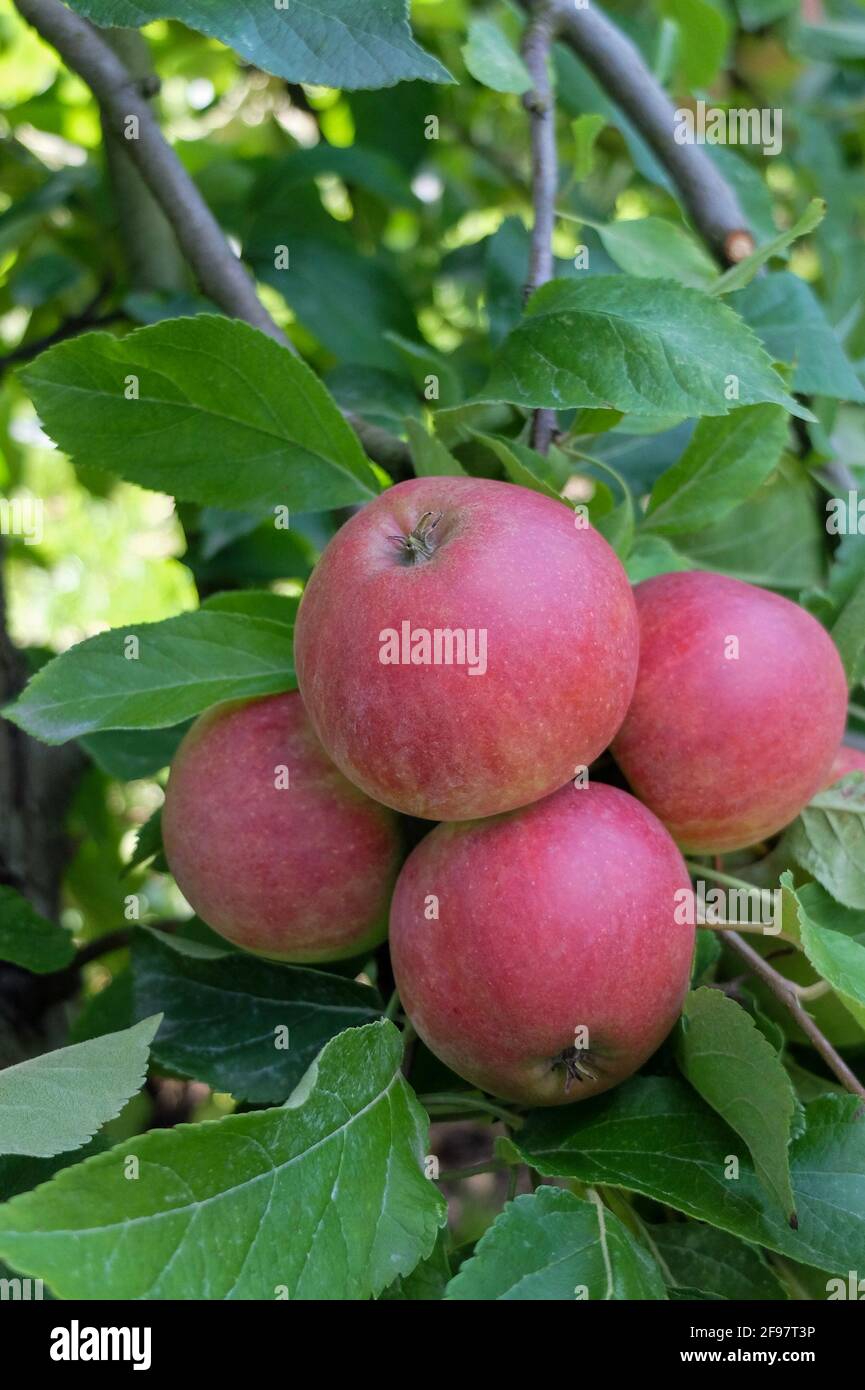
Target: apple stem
{"points": [[418, 544]]}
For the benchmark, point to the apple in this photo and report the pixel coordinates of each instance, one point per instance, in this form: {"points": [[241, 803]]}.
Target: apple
{"points": [[464, 645], [847, 759], [738, 712], [539, 954], [269, 843]]}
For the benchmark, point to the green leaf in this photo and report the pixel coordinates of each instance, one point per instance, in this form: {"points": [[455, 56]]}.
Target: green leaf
{"points": [[429, 456], [132, 753], [838, 41], [184, 665], [427, 1281], [553, 1245], [585, 130], [242, 1025], [349, 301], [743, 273], [785, 313], [848, 634], [726, 460], [727, 1059], [331, 43], [30, 940], [703, 1258], [653, 555], [828, 840], [705, 33], [833, 939], [523, 465], [776, 538], [492, 61], [654, 248], [59, 1100], [321, 1199], [648, 347], [654, 1135], [148, 841], [224, 416], [256, 603]]}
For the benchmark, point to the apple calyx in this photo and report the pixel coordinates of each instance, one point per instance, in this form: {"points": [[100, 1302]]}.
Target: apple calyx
{"points": [[419, 545], [576, 1062]]}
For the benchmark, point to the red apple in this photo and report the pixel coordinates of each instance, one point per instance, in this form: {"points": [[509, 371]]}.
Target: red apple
{"points": [[847, 759], [297, 872], [738, 712], [535, 611], [509, 936]]}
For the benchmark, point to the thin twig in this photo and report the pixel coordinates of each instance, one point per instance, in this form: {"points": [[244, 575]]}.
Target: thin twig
{"points": [[619, 67], [540, 104], [786, 993]]}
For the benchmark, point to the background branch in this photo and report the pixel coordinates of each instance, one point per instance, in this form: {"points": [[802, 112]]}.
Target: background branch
{"points": [[540, 104], [153, 256]]}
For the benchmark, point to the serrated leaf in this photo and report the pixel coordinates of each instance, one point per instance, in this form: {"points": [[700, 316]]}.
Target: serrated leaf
{"points": [[740, 275], [184, 665], [738, 1072], [725, 462], [787, 316], [28, 939], [703, 1258], [654, 1135], [243, 1025], [222, 416], [332, 43], [648, 347], [57, 1101], [324, 1198], [148, 841], [828, 840], [833, 939], [492, 61], [552, 1244]]}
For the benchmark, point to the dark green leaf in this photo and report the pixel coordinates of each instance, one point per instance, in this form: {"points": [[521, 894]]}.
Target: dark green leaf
{"points": [[242, 1025], [30, 940]]}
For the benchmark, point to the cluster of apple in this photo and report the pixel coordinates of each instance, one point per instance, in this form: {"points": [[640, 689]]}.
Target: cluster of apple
{"points": [[465, 650]]}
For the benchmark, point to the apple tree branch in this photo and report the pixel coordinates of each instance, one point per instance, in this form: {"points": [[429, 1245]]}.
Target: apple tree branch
{"points": [[540, 104]]}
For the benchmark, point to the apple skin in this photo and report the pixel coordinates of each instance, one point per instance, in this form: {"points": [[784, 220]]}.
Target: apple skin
{"points": [[726, 752], [558, 915], [433, 740], [847, 759], [299, 874]]}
